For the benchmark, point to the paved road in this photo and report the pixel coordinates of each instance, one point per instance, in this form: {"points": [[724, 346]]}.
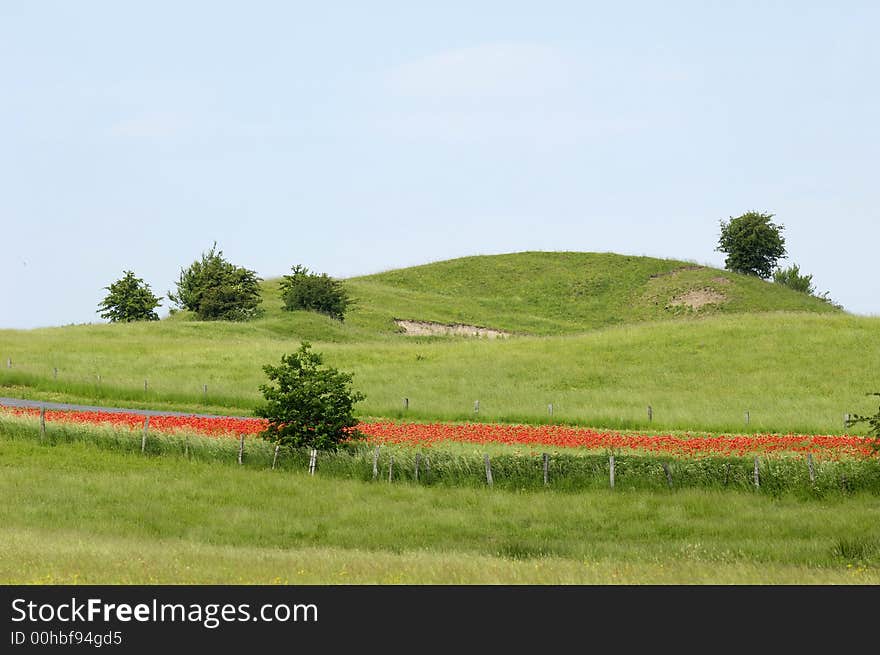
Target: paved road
{"points": [[16, 402]]}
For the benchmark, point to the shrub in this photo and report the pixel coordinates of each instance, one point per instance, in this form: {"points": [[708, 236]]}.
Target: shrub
{"points": [[753, 244], [130, 299], [215, 289], [313, 292], [309, 405], [791, 277]]}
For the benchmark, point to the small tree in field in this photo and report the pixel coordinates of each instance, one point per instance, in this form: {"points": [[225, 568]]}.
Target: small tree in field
{"points": [[872, 421], [130, 299], [753, 244], [307, 404], [217, 290], [313, 292]]}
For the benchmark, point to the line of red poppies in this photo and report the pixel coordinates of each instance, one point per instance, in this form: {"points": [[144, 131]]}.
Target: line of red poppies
{"points": [[552, 436]]}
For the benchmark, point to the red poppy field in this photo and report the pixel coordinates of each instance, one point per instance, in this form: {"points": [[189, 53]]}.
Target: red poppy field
{"points": [[427, 435]]}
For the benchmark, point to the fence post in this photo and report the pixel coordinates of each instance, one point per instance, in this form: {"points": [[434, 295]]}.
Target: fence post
{"points": [[145, 386], [405, 404], [55, 373], [376, 462], [488, 469], [240, 448], [144, 436], [418, 461], [550, 409], [313, 461], [757, 474], [275, 456], [747, 417], [846, 421], [390, 467], [611, 470], [810, 467], [668, 474], [42, 423], [476, 407], [9, 362], [726, 474], [650, 413], [546, 469], [205, 393]]}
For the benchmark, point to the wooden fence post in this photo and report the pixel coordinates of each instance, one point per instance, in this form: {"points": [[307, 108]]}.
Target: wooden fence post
{"points": [[611, 470], [9, 362], [550, 409], [427, 468], [747, 417], [810, 467], [313, 461], [418, 461], [144, 436], [405, 404], [390, 467], [757, 474], [275, 456], [846, 421], [668, 474], [488, 469], [240, 448], [55, 373], [546, 469], [145, 386], [42, 423], [376, 462], [476, 407], [650, 413], [186, 446], [726, 474]]}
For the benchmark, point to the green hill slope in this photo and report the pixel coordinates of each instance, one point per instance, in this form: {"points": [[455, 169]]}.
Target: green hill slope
{"points": [[548, 293]]}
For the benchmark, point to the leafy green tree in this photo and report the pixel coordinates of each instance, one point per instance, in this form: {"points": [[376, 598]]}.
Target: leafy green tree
{"points": [[307, 404], [217, 290], [130, 299], [313, 292], [752, 243], [791, 277]]}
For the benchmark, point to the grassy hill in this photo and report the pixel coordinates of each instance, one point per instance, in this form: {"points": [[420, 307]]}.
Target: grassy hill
{"points": [[598, 335], [551, 293]]}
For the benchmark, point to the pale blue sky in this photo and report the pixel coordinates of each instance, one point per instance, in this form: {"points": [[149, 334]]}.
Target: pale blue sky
{"points": [[361, 136]]}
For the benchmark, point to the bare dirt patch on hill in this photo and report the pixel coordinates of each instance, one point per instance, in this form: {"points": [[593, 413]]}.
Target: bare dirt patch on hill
{"points": [[430, 328], [697, 298]]}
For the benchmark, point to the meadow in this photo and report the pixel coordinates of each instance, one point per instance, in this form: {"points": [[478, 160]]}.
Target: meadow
{"points": [[78, 511], [595, 340]]}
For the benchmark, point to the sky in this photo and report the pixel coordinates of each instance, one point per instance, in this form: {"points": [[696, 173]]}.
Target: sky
{"points": [[357, 137]]}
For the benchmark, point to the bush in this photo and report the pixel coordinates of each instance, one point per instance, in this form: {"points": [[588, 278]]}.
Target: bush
{"points": [[791, 277], [214, 289], [130, 299], [313, 292], [309, 405], [753, 244]]}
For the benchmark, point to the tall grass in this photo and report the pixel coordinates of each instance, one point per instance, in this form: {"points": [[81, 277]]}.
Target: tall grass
{"points": [[457, 465], [792, 373]]}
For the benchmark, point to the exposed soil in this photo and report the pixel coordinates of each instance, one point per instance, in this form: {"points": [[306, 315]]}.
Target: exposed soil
{"points": [[698, 298], [721, 280], [430, 328]]}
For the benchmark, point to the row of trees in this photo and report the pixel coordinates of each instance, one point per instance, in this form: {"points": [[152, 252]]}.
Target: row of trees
{"points": [[214, 289], [754, 244]]}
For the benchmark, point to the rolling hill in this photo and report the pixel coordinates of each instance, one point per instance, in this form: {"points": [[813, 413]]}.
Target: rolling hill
{"points": [[601, 336]]}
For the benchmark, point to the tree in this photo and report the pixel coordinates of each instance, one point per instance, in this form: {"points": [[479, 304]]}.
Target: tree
{"points": [[307, 404], [130, 299], [791, 277], [214, 289], [313, 292], [753, 244], [873, 424]]}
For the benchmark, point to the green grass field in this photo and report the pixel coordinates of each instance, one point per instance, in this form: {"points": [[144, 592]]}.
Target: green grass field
{"points": [[74, 512], [600, 336]]}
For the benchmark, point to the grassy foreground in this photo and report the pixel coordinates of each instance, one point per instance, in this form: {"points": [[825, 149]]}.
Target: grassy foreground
{"points": [[75, 513]]}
